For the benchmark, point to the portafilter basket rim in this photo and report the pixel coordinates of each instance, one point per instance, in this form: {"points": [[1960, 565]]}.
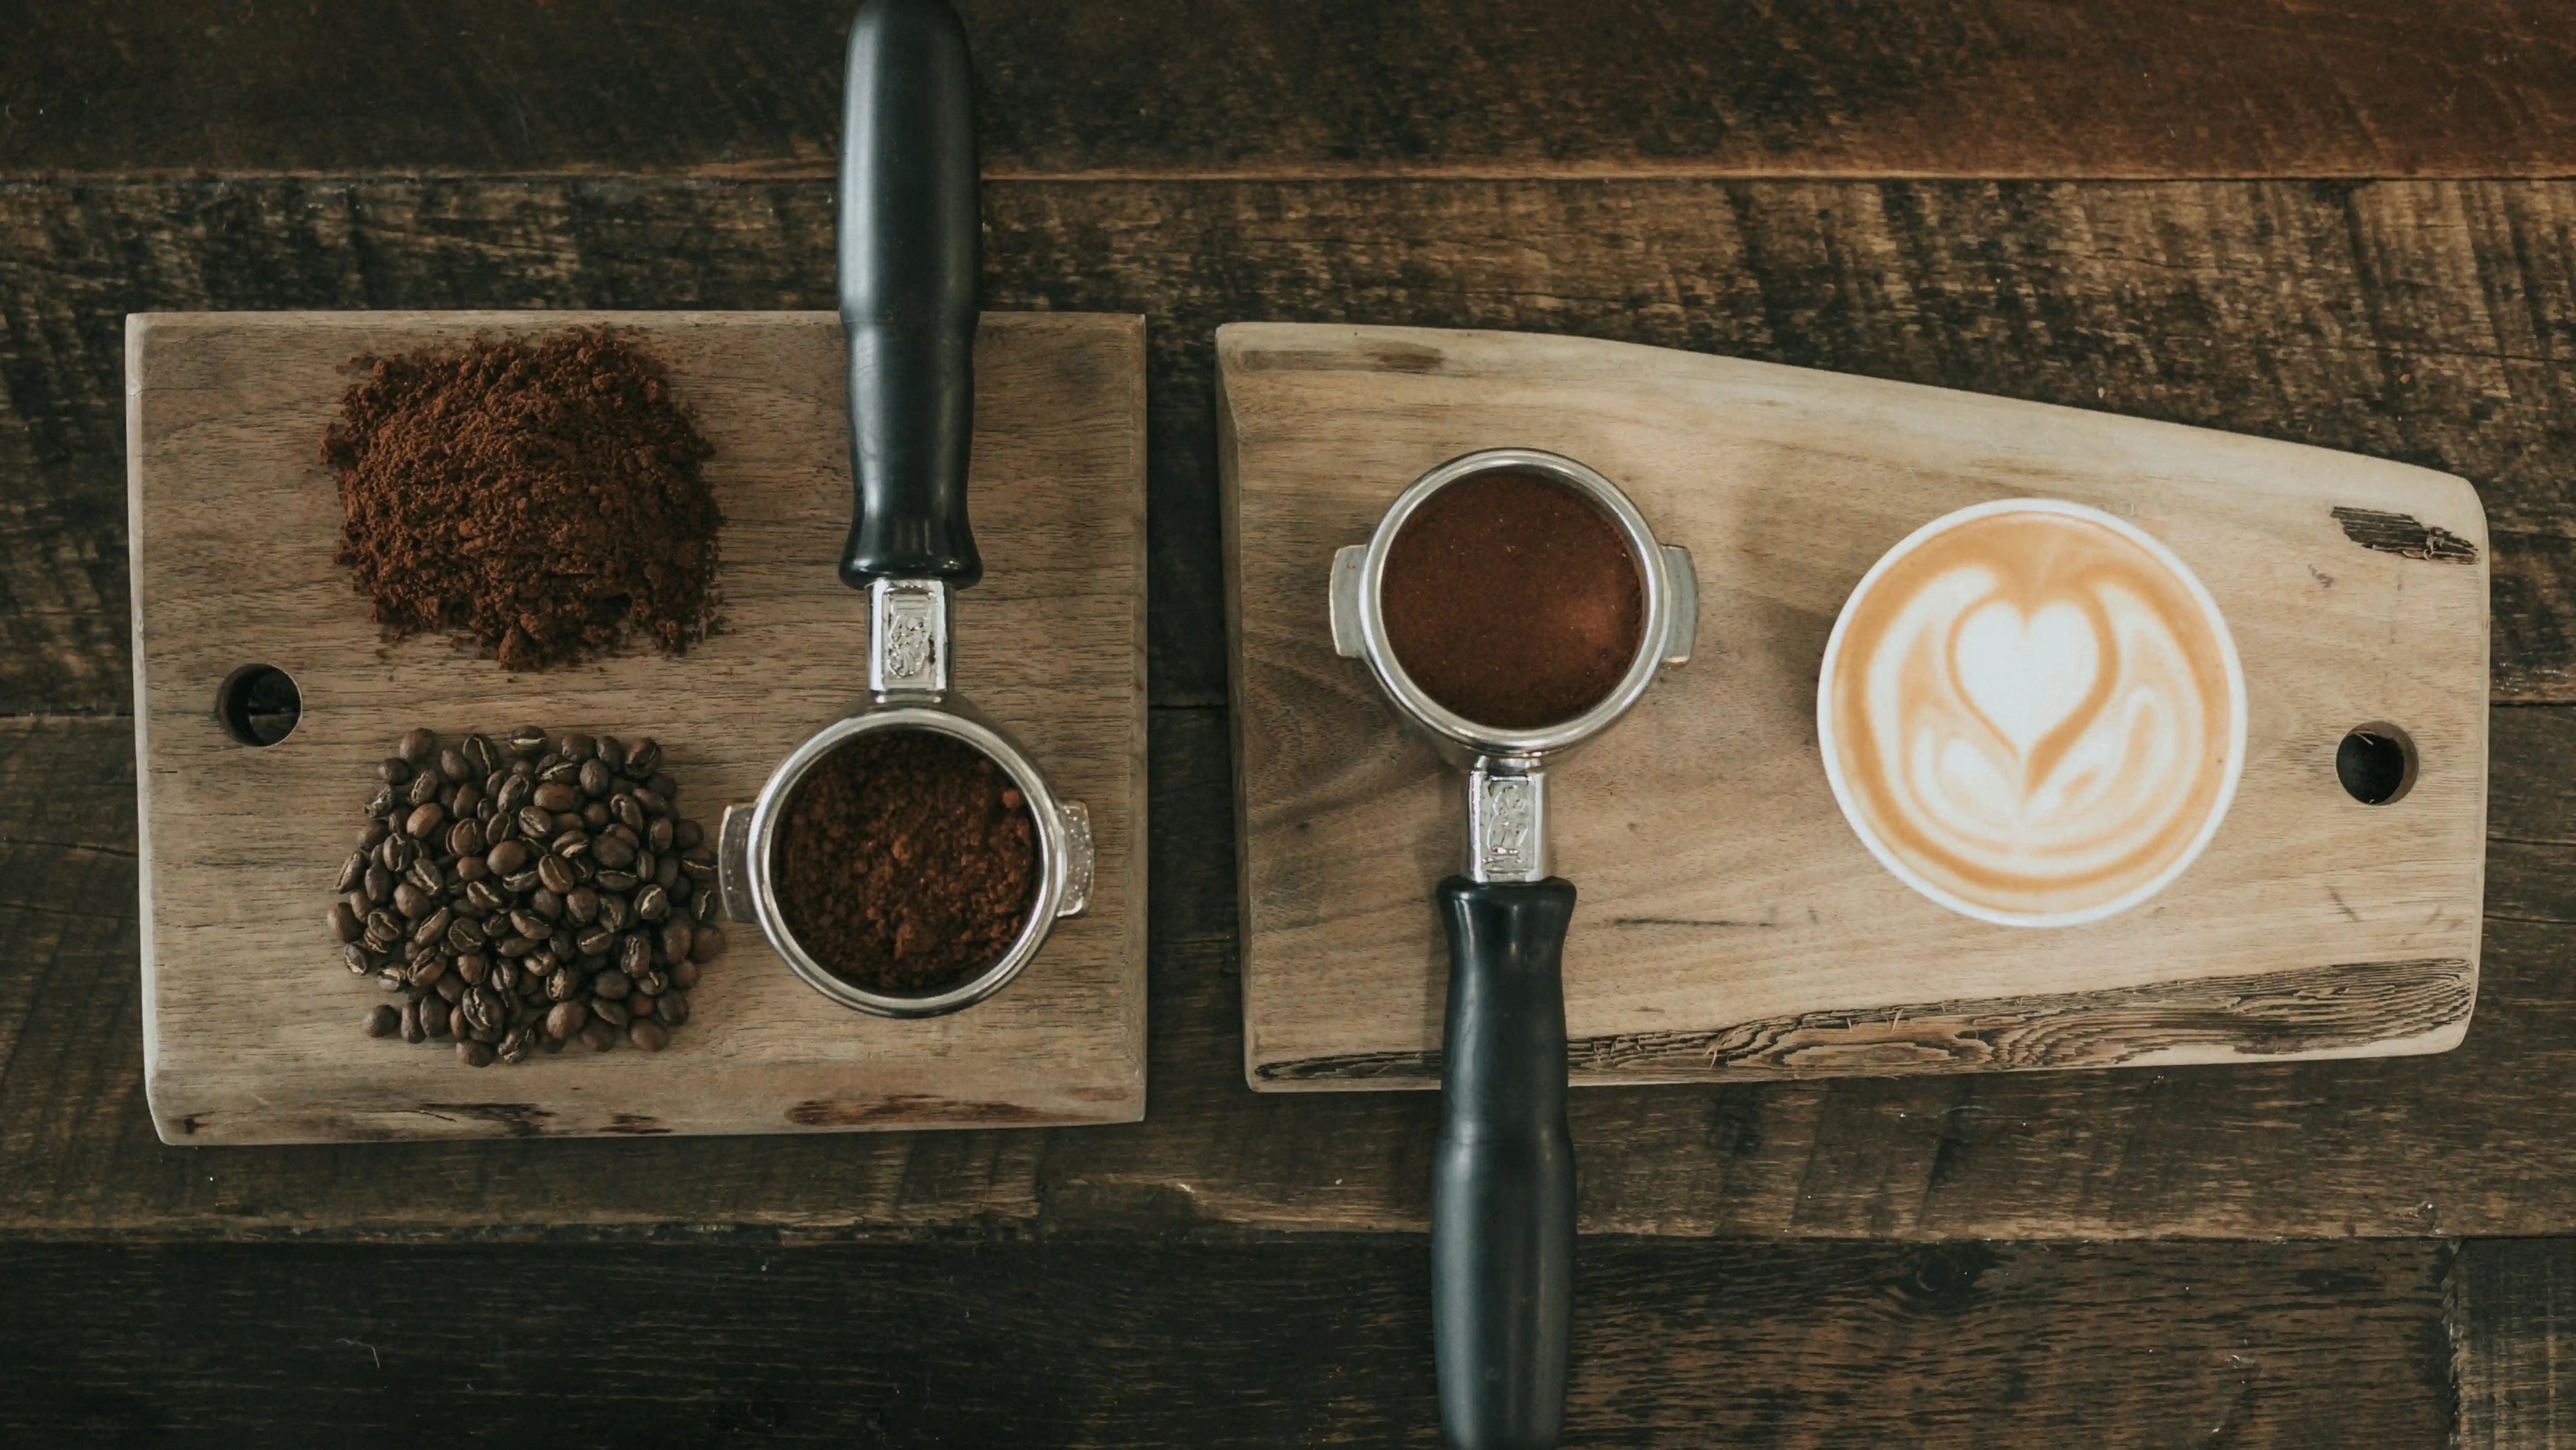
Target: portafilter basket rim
{"points": [[1054, 842]]}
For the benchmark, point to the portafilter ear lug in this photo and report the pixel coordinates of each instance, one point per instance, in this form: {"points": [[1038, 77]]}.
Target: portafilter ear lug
{"points": [[1075, 897], [1347, 639], [1681, 623], [733, 863]]}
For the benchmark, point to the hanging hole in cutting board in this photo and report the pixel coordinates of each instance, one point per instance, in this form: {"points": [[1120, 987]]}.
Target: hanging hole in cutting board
{"points": [[2376, 763], [259, 704]]}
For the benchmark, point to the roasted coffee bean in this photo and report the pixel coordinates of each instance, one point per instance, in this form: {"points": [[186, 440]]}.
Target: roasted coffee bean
{"points": [[599, 1036], [433, 926], [465, 800], [595, 817], [507, 857], [465, 934], [563, 984], [470, 869], [608, 1010], [556, 873], [565, 773], [383, 800], [613, 853], [465, 841], [652, 903], [412, 1030], [566, 1019], [619, 830], [556, 796], [682, 890], [664, 786], [687, 836], [570, 844], [480, 896], [376, 884], [699, 863], [582, 905], [425, 786], [383, 1020], [503, 826], [528, 924], [520, 882], [428, 971], [453, 764], [525, 741], [355, 958], [514, 792], [472, 966], [652, 984], [639, 1004], [451, 987], [564, 944], [381, 922], [666, 871], [635, 954], [424, 819], [393, 770], [535, 822], [426, 874], [515, 946], [707, 945], [345, 923], [703, 907], [475, 1054], [411, 901], [615, 912], [672, 1007], [548, 906], [661, 835], [480, 754], [353, 874], [611, 984], [624, 811], [566, 821], [373, 835], [389, 979], [675, 939], [576, 747], [615, 882], [483, 1008], [594, 940], [503, 979], [650, 1036], [653, 801], [594, 779], [418, 745], [641, 757]]}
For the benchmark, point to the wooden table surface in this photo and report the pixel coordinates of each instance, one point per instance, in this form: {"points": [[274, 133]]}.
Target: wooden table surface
{"points": [[2337, 225]]}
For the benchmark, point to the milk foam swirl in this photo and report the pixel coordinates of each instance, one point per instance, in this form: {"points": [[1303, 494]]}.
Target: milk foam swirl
{"points": [[2034, 713]]}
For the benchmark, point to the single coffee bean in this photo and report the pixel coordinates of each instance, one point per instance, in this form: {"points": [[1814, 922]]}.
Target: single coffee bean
{"points": [[672, 1007], [556, 796], [514, 793], [566, 1019], [507, 857], [641, 757], [556, 873], [516, 1044], [353, 872], [650, 1036], [393, 770], [703, 907], [613, 853], [608, 1010], [535, 822], [464, 800], [594, 940], [526, 923], [503, 826], [425, 786], [652, 903], [472, 966], [624, 811], [482, 898], [664, 786], [399, 852], [389, 979], [662, 836], [666, 871], [582, 905], [418, 745], [453, 764], [451, 986], [570, 844], [599, 1036], [344, 922], [483, 1006], [619, 830], [576, 746], [616, 912], [700, 863], [424, 819], [564, 944], [411, 901], [412, 1030], [520, 883], [429, 971], [635, 954], [652, 984], [470, 869], [683, 890], [355, 958], [381, 922], [617, 882], [675, 939], [609, 751], [707, 945], [515, 946], [563, 821], [653, 801], [373, 835], [611, 984], [563, 984], [647, 867], [465, 841], [480, 754], [687, 836], [684, 975], [464, 934], [378, 885], [383, 1020], [639, 1004], [525, 741], [383, 800], [594, 779], [426, 874], [475, 1054]]}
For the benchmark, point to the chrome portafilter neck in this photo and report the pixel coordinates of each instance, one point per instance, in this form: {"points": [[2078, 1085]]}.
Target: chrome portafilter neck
{"points": [[1506, 769]]}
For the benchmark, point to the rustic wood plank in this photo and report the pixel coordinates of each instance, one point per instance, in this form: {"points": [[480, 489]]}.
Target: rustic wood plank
{"points": [[2474, 1141], [2429, 323], [1511, 87], [1151, 1344], [2511, 1302]]}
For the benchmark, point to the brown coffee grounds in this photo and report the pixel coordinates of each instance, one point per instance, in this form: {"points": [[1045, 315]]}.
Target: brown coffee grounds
{"points": [[907, 862], [1512, 600], [542, 496]]}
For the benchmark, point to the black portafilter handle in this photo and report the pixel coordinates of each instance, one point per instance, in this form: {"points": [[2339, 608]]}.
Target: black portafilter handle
{"points": [[1502, 1186], [909, 242]]}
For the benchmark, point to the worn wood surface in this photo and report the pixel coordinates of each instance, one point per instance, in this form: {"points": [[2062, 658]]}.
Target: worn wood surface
{"points": [[2512, 1314], [1454, 87], [2427, 323], [1152, 1344], [250, 1023], [1732, 925]]}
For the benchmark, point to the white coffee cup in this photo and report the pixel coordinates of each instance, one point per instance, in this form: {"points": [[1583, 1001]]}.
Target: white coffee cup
{"points": [[2032, 712]]}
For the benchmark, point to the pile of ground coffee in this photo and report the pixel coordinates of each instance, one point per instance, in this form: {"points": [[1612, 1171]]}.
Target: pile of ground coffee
{"points": [[1512, 600], [543, 496], [907, 862]]}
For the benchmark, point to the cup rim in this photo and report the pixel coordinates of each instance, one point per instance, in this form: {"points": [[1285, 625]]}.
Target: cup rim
{"points": [[2216, 618]]}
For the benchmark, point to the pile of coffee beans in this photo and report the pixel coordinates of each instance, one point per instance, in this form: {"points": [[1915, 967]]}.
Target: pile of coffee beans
{"points": [[515, 893]]}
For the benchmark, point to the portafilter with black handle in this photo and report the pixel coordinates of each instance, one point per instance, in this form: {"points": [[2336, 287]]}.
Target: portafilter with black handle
{"points": [[910, 230]]}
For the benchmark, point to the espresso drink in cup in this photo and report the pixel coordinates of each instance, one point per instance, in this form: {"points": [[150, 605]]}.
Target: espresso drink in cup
{"points": [[2032, 712]]}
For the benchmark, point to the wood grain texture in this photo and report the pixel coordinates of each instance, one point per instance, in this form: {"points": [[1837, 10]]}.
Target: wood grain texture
{"points": [[1082, 1343], [1480, 87], [250, 1026], [1729, 913], [2513, 1318], [2428, 323]]}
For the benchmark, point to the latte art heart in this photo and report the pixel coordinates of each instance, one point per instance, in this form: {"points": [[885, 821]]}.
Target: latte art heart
{"points": [[2033, 712]]}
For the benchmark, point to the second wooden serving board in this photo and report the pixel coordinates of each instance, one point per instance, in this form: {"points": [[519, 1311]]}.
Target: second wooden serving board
{"points": [[251, 1028], [1729, 924]]}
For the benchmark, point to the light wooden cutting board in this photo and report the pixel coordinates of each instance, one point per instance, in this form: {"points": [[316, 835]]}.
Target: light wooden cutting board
{"points": [[1729, 924], [250, 1024]]}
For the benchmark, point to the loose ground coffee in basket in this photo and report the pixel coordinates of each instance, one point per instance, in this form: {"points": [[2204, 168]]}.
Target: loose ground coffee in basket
{"points": [[1513, 601], [907, 862], [543, 496]]}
